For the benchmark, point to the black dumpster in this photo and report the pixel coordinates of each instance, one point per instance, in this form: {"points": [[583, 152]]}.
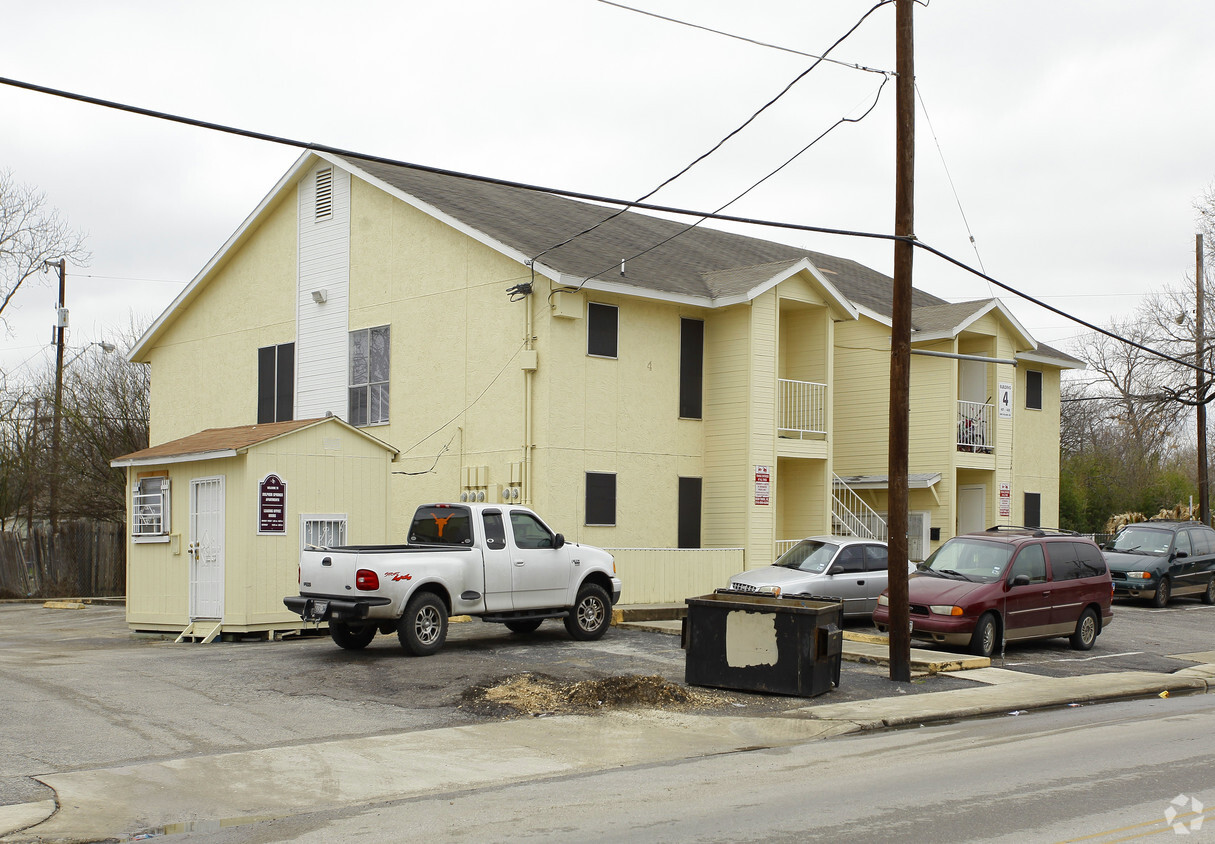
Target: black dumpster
{"points": [[761, 643]]}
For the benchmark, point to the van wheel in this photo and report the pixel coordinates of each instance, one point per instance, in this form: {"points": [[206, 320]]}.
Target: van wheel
{"points": [[1163, 592], [1208, 597], [351, 637], [983, 641], [1086, 631], [423, 626], [526, 625], [591, 614]]}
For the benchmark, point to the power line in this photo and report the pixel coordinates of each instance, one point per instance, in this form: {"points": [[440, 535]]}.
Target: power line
{"points": [[818, 61], [949, 177], [645, 206], [789, 161], [743, 38]]}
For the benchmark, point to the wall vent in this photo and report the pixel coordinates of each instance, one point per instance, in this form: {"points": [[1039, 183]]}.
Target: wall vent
{"points": [[324, 193]]}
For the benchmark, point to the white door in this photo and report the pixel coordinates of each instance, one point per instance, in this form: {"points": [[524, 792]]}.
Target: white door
{"points": [[972, 509], [206, 548]]}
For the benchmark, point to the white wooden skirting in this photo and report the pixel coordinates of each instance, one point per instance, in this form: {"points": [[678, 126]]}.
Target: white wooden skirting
{"points": [[668, 575]]}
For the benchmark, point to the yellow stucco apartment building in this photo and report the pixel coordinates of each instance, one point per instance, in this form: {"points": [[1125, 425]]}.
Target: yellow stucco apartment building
{"points": [[691, 399]]}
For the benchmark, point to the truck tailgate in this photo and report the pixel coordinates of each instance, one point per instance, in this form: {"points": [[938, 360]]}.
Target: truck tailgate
{"points": [[328, 572]]}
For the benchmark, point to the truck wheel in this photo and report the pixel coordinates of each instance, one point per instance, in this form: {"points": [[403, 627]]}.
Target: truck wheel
{"points": [[423, 626], [591, 614], [351, 637], [527, 625]]}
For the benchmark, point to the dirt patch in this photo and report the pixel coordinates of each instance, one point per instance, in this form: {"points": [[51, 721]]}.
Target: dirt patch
{"points": [[539, 694]]}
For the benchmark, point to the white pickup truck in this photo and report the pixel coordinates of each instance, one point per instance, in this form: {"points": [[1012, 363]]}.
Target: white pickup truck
{"points": [[499, 563]]}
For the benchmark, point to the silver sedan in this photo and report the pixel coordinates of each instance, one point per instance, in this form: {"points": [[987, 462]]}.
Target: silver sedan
{"points": [[845, 569]]}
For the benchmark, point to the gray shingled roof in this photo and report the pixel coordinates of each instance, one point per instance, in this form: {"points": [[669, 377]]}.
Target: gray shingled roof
{"points": [[701, 262], [945, 317]]}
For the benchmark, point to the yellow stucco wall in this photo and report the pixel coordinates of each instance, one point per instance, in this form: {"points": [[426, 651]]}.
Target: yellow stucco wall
{"points": [[249, 303], [1037, 468]]}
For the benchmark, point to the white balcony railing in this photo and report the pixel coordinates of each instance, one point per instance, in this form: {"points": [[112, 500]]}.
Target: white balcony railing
{"points": [[974, 427], [801, 408]]}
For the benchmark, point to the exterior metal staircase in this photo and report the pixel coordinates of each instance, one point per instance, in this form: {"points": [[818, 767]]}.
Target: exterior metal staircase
{"points": [[850, 516]]}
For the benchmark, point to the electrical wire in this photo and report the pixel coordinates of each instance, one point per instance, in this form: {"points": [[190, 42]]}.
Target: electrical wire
{"points": [[466, 407], [742, 38], [949, 176], [790, 160], [645, 206], [818, 61]]}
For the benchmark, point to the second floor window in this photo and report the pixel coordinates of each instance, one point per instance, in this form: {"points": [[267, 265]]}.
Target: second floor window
{"points": [[369, 364], [275, 383], [602, 329], [1033, 389]]}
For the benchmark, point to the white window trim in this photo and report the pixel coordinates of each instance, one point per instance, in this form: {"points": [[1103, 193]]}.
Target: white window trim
{"points": [[166, 510], [591, 354], [305, 518]]}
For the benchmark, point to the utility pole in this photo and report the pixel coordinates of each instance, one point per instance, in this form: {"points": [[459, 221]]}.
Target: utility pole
{"points": [[1204, 494], [60, 336], [900, 345]]}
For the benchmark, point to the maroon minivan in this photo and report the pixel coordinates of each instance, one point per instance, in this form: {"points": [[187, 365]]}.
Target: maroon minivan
{"points": [[1008, 583]]}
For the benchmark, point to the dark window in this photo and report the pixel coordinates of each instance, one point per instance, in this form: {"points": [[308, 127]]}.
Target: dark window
{"points": [[1033, 389], [1203, 540], [691, 367], [851, 560], [602, 329], [600, 498], [1030, 562], [1092, 564], [1064, 561], [495, 532], [1033, 509], [369, 365], [529, 531], [689, 512], [275, 383], [877, 558], [441, 526]]}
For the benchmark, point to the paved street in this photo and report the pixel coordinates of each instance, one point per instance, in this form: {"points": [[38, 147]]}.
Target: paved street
{"points": [[84, 694]]}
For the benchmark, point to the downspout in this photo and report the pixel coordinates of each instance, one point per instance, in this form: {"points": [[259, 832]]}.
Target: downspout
{"points": [[528, 385]]}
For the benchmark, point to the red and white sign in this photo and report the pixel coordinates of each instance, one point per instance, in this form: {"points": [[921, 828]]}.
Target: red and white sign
{"points": [[763, 486], [1005, 500]]}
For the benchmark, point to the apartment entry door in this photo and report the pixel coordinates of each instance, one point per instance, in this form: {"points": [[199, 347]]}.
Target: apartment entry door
{"points": [[972, 509], [206, 548]]}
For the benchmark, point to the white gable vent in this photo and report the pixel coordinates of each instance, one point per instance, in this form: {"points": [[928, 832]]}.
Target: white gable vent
{"points": [[324, 193]]}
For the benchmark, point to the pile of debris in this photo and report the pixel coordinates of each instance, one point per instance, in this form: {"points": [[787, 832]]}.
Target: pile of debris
{"points": [[539, 694]]}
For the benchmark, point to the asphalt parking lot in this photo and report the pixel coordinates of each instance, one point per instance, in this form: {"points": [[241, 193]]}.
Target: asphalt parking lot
{"points": [[83, 692]]}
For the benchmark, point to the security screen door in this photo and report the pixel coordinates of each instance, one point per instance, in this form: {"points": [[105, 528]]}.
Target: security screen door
{"points": [[206, 548]]}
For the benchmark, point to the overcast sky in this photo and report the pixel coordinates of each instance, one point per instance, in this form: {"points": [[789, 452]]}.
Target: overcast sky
{"points": [[1077, 134]]}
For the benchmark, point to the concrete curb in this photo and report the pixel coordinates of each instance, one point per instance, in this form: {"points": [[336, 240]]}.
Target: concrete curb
{"points": [[1013, 697]]}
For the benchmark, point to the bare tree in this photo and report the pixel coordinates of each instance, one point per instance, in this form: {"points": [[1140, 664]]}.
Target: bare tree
{"points": [[31, 234], [104, 413]]}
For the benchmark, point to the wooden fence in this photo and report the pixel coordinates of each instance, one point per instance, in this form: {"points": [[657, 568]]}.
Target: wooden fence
{"points": [[84, 559]]}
